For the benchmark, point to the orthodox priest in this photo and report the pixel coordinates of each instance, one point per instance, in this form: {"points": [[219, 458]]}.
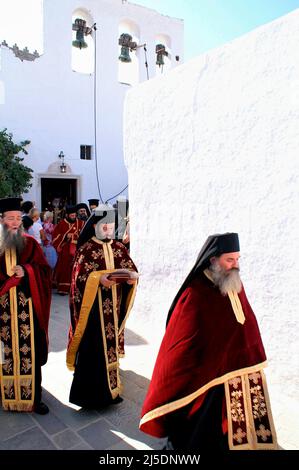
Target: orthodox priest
{"points": [[93, 204], [65, 237], [99, 307], [208, 390], [25, 296], [82, 211]]}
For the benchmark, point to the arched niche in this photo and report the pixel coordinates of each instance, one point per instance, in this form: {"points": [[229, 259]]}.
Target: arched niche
{"points": [[83, 59], [128, 72], [54, 169]]}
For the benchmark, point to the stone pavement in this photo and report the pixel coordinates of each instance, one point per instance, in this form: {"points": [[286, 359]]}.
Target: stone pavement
{"points": [[67, 426], [115, 428]]}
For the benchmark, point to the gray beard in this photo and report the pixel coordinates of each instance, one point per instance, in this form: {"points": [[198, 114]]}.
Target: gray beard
{"points": [[226, 280], [10, 240], [71, 221]]}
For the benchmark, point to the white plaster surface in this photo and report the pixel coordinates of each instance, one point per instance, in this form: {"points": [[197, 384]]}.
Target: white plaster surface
{"points": [[49, 104], [213, 147]]}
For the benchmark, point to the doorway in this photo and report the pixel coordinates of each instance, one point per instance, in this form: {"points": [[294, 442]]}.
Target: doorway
{"points": [[64, 190]]}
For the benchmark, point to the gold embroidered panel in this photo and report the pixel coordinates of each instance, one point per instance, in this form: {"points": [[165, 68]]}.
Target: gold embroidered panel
{"points": [[17, 337], [250, 423]]}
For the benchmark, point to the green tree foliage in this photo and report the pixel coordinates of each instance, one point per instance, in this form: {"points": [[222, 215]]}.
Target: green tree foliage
{"points": [[14, 176]]}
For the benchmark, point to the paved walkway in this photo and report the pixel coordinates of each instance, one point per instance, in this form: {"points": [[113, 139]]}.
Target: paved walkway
{"points": [[116, 427], [67, 426]]}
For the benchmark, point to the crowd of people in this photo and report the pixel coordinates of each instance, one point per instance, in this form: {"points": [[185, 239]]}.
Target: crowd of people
{"points": [[58, 241], [208, 390], [37, 256]]}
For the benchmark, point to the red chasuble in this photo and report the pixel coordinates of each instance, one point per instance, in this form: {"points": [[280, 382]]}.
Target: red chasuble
{"points": [[65, 238], [113, 305], [204, 345], [20, 300]]}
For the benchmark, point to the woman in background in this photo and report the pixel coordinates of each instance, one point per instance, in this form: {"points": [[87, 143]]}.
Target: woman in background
{"points": [[49, 250]]}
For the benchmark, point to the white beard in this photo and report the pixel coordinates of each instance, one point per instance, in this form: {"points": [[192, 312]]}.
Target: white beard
{"points": [[226, 280]]}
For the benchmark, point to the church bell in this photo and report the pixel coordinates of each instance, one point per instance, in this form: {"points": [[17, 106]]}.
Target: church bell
{"points": [[125, 41], [80, 27], [160, 51]]}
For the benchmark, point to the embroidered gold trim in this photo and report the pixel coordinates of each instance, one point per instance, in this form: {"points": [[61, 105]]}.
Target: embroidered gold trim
{"points": [[242, 408], [15, 339], [17, 380], [109, 260], [236, 306], [257, 431], [10, 261], [115, 364], [32, 350], [169, 407], [89, 295], [269, 409]]}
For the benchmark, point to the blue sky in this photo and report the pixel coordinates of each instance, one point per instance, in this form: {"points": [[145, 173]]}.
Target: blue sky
{"points": [[208, 23]]}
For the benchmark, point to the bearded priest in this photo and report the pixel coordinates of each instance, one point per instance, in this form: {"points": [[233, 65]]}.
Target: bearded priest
{"points": [[25, 297], [208, 391]]}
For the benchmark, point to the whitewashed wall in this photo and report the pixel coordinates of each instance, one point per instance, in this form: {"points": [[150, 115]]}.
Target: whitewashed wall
{"points": [[48, 103], [213, 147]]}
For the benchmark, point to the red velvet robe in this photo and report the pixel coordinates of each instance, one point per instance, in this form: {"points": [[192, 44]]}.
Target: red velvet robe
{"points": [[203, 344], [22, 302], [66, 248]]}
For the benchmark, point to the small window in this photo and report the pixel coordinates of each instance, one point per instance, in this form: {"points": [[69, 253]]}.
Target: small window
{"points": [[85, 152]]}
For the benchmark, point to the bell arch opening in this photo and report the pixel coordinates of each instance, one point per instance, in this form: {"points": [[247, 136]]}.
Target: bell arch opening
{"points": [[128, 57], [83, 47]]}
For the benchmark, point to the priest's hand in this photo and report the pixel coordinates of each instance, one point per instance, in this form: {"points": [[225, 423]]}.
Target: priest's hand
{"points": [[18, 271], [134, 278], [105, 281]]}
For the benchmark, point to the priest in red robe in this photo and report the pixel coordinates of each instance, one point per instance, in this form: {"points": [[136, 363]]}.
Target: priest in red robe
{"points": [[208, 390], [82, 211], [25, 297], [103, 288], [65, 237]]}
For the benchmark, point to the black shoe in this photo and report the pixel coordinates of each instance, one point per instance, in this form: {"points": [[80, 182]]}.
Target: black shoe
{"points": [[41, 408], [117, 400]]}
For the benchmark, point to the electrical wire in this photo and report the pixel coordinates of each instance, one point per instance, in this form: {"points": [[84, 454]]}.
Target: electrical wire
{"points": [[95, 120], [95, 110], [115, 195]]}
